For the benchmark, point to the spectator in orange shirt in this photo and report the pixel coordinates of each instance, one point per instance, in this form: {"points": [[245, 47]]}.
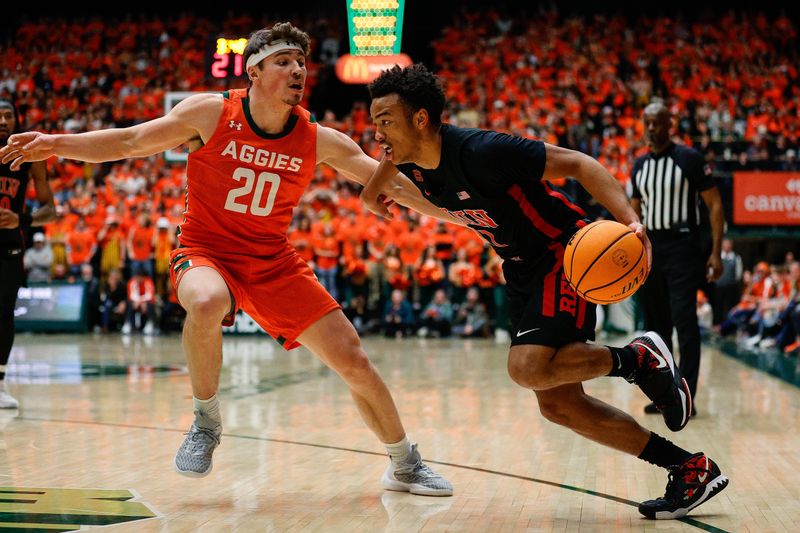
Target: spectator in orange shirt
{"points": [[411, 243], [141, 303], [326, 252], [376, 252], [140, 245], [350, 233], [56, 232], [428, 275], [462, 275], [395, 271], [112, 247], [355, 273], [163, 244], [467, 239], [81, 246]]}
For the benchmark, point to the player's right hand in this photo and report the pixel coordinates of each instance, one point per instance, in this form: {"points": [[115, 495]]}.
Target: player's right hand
{"points": [[26, 147], [640, 231], [8, 219]]}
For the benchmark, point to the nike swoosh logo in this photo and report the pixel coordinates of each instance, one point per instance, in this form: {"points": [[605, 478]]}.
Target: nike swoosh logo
{"points": [[702, 477], [662, 363], [521, 333]]}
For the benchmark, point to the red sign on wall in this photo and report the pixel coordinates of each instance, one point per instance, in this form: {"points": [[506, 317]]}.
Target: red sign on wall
{"points": [[768, 198], [364, 69]]}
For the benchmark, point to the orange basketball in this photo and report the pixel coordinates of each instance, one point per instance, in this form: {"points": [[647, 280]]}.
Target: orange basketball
{"points": [[605, 262]]}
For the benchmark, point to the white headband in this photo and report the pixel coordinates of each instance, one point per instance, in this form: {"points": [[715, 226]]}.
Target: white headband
{"points": [[269, 49]]}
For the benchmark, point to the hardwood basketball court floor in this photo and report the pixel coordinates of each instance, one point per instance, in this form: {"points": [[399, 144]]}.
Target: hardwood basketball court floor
{"points": [[101, 417]]}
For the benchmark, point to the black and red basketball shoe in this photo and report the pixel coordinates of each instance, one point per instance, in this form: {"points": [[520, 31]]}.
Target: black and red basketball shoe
{"points": [[659, 378], [692, 483]]}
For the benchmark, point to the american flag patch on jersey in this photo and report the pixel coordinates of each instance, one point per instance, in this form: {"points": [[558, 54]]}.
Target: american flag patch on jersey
{"points": [[462, 195]]}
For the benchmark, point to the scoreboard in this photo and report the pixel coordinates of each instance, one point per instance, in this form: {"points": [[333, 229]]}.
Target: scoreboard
{"points": [[375, 31], [226, 58]]}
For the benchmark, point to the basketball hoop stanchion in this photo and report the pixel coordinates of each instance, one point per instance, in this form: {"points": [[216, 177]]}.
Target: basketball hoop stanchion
{"points": [[375, 36]]}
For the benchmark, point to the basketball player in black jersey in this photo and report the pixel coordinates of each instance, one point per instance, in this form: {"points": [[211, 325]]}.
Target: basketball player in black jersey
{"points": [[496, 184], [14, 220]]}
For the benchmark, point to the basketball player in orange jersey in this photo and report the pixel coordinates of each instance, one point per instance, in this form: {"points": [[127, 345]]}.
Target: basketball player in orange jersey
{"points": [[255, 153], [497, 184]]}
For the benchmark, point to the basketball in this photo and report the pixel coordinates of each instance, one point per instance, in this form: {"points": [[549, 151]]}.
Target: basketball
{"points": [[605, 262]]}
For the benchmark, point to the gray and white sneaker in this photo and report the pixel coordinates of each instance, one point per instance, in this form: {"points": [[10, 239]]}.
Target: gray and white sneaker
{"points": [[415, 477], [194, 456], [6, 400]]}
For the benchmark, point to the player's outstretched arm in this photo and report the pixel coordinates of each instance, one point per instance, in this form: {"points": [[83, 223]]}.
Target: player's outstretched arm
{"points": [[194, 117], [380, 180], [342, 153], [562, 162]]}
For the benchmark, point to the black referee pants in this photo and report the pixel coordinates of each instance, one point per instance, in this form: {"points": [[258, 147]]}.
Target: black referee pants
{"points": [[669, 297], [11, 278]]}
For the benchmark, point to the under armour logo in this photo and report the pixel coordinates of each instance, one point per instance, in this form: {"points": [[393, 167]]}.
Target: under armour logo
{"points": [[463, 195], [232, 124]]}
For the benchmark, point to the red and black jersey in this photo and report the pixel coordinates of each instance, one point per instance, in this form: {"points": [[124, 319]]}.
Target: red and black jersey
{"points": [[13, 184], [493, 182]]}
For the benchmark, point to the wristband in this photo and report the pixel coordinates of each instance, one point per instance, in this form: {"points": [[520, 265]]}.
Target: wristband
{"points": [[25, 220]]}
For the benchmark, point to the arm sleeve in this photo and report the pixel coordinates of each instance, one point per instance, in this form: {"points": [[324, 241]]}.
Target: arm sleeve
{"points": [[504, 160]]}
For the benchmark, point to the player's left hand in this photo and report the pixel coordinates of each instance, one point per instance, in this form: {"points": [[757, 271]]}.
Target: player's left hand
{"points": [[713, 267], [380, 206], [638, 229], [8, 219]]}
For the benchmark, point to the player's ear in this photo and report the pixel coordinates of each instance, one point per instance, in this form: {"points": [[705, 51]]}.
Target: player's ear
{"points": [[252, 73], [421, 118]]}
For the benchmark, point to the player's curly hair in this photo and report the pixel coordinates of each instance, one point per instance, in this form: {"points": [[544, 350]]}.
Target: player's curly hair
{"points": [[416, 86], [280, 31]]}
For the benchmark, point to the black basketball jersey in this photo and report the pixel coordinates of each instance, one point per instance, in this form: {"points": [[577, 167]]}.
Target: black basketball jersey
{"points": [[493, 182], [13, 184]]}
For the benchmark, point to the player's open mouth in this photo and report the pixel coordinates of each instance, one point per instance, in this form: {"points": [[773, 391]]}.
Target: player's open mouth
{"points": [[388, 150], [296, 86]]}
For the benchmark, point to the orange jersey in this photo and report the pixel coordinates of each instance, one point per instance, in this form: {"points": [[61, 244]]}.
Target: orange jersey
{"points": [[141, 243], [244, 183]]}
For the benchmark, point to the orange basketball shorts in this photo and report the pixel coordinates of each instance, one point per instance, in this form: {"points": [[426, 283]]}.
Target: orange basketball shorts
{"points": [[281, 293]]}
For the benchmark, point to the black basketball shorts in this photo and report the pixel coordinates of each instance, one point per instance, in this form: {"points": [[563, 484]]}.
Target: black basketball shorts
{"points": [[543, 308]]}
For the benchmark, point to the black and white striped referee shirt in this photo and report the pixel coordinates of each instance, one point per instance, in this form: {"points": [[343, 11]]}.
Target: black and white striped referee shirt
{"points": [[668, 186]]}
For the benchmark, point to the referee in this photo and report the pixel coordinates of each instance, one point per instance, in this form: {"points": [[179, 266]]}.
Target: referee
{"points": [[666, 184], [14, 220]]}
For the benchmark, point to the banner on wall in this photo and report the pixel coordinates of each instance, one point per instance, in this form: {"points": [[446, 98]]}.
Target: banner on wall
{"points": [[766, 198]]}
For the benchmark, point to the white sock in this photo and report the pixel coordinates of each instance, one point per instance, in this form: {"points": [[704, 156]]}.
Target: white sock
{"points": [[209, 409], [399, 451]]}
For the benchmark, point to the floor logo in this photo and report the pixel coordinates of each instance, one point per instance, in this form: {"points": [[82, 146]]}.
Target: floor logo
{"points": [[68, 509]]}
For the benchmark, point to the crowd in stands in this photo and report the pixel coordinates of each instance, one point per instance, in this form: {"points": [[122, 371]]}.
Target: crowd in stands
{"points": [[767, 314], [577, 82]]}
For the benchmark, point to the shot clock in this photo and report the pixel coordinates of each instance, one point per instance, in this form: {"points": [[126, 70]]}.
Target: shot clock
{"points": [[226, 58]]}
